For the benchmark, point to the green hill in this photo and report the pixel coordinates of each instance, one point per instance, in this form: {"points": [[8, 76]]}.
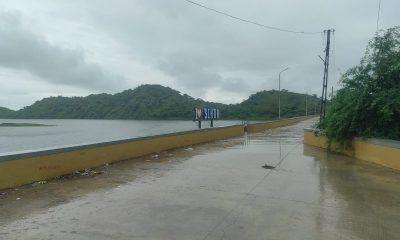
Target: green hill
{"points": [[6, 113], [159, 102], [264, 105]]}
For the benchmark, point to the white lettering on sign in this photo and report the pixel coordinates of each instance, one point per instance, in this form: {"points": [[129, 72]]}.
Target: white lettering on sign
{"points": [[205, 114]]}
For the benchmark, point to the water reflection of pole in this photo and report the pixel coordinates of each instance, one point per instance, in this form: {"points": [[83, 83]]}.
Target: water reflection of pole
{"points": [[245, 139], [245, 136]]}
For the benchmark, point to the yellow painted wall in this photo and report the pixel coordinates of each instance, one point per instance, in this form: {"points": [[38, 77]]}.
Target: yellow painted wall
{"points": [[29, 169], [379, 154], [26, 168], [320, 141], [311, 139], [387, 156]]}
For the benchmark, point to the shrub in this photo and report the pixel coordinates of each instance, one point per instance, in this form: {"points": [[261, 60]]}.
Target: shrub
{"points": [[368, 105]]}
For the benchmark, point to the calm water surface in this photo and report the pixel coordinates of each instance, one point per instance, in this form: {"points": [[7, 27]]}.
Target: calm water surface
{"points": [[67, 132]]}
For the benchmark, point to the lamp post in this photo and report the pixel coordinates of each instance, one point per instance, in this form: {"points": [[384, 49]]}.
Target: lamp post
{"points": [[279, 94], [306, 105]]}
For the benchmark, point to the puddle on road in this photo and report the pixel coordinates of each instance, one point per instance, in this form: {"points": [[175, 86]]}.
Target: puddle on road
{"points": [[321, 193], [19, 202]]}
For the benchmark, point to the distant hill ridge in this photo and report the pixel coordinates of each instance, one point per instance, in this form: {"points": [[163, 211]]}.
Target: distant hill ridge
{"points": [[159, 102]]}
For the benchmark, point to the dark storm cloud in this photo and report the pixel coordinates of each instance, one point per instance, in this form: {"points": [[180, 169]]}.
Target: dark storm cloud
{"points": [[198, 48], [22, 49], [189, 48], [195, 74]]}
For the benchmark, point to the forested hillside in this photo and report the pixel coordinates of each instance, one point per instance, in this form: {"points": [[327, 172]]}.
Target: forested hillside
{"points": [[264, 105], [159, 102], [6, 113]]}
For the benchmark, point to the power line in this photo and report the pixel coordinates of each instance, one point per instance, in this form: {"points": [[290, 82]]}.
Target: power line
{"points": [[250, 21]]}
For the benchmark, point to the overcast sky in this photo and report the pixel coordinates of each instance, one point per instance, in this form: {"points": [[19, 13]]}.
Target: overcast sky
{"points": [[75, 48]]}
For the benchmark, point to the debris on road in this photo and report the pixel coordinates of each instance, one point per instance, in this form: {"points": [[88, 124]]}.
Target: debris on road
{"points": [[266, 166], [39, 183], [88, 172]]}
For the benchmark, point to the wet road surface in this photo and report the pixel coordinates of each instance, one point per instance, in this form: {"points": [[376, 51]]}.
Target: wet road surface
{"points": [[215, 191]]}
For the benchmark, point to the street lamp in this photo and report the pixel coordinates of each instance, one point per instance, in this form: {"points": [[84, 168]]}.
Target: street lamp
{"points": [[279, 94]]}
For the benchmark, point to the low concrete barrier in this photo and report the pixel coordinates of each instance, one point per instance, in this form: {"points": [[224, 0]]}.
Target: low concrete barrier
{"points": [[258, 127], [27, 167], [23, 168], [380, 151]]}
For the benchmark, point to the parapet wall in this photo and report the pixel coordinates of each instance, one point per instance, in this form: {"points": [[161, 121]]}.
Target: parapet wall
{"points": [[258, 127], [379, 151], [27, 167]]}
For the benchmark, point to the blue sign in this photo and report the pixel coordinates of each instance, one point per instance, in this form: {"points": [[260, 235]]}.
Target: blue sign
{"points": [[205, 114]]}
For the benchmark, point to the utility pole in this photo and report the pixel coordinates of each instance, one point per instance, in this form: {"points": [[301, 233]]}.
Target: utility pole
{"points": [[326, 71], [315, 108], [306, 106], [279, 93]]}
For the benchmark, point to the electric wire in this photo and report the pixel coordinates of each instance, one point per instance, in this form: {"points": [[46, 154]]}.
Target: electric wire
{"points": [[250, 21]]}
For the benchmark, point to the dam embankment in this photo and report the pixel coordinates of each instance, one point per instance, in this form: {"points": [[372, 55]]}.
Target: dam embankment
{"points": [[26, 167]]}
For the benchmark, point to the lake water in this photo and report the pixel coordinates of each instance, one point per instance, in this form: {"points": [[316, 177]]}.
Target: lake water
{"points": [[67, 132]]}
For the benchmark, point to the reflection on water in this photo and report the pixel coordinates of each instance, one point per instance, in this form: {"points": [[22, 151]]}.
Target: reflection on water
{"points": [[311, 195], [38, 198], [367, 196], [245, 139], [76, 131]]}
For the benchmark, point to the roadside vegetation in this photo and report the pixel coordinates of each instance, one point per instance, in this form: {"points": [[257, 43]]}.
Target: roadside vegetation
{"points": [[368, 105]]}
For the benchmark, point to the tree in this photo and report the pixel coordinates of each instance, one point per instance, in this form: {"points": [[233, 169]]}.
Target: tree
{"points": [[368, 105]]}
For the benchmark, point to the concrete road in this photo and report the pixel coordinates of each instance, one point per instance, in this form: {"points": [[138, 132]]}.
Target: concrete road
{"points": [[215, 191]]}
